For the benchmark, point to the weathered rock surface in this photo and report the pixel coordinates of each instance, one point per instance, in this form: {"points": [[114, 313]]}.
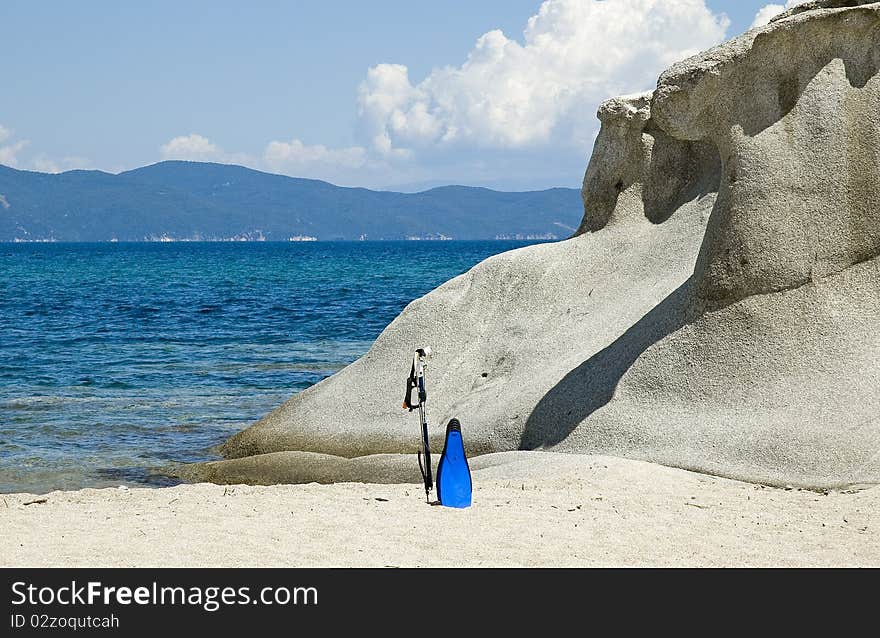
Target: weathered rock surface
{"points": [[506, 332], [719, 309], [765, 362]]}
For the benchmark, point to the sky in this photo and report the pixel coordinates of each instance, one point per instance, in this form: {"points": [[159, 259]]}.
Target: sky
{"points": [[388, 94]]}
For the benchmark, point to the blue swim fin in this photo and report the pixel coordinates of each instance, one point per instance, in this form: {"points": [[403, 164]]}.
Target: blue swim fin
{"points": [[453, 474]]}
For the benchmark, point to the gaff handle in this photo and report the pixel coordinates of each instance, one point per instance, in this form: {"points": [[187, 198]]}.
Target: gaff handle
{"points": [[411, 385], [416, 380]]}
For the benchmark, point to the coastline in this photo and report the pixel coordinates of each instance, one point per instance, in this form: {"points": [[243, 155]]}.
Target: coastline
{"points": [[128, 357], [539, 509]]}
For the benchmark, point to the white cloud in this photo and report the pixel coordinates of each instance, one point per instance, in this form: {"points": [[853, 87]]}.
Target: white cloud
{"points": [[511, 110], [198, 148], [46, 164], [9, 152], [9, 155], [296, 155], [515, 111], [293, 158], [352, 165], [191, 147], [516, 96], [766, 13], [770, 11]]}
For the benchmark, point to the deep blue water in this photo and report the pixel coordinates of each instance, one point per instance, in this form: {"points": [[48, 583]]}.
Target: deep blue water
{"points": [[118, 359]]}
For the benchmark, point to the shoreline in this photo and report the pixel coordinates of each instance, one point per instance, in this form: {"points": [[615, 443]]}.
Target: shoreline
{"points": [[543, 509]]}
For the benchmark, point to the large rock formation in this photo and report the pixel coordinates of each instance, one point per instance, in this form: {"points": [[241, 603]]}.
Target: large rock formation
{"points": [[719, 309], [506, 332]]}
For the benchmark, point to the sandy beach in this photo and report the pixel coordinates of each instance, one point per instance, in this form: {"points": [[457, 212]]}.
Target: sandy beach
{"points": [[703, 294], [550, 510]]}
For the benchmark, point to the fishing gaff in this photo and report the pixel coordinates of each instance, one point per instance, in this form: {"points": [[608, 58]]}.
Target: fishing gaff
{"points": [[416, 383]]}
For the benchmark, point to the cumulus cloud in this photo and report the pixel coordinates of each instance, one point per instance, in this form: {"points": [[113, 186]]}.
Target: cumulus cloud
{"points": [[296, 155], [193, 147], [770, 11], [514, 108], [9, 152], [46, 164], [509, 95], [351, 165], [517, 110], [766, 13], [292, 157], [198, 148]]}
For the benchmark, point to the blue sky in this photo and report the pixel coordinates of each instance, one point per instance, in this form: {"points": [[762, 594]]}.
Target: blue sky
{"points": [[384, 94]]}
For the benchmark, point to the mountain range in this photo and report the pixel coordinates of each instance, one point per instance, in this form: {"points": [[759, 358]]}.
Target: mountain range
{"points": [[177, 200]]}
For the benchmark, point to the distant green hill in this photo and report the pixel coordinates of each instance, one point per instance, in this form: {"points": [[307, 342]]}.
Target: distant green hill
{"points": [[193, 200]]}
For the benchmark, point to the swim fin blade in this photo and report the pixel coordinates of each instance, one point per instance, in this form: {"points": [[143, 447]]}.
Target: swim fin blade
{"points": [[454, 485]]}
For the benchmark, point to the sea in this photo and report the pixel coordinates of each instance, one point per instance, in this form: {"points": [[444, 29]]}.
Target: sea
{"points": [[118, 360]]}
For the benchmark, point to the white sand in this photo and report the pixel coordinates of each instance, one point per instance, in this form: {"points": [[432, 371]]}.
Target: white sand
{"points": [[549, 510]]}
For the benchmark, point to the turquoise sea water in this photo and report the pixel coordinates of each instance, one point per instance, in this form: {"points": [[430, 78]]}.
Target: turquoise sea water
{"points": [[118, 359]]}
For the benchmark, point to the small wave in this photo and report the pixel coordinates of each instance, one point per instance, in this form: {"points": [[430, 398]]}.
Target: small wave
{"points": [[118, 385], [35, 403], [210, 308], [138, 310]]}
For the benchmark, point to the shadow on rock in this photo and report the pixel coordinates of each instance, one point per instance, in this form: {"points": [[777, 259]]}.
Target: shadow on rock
{"points": [[592, 384]]}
